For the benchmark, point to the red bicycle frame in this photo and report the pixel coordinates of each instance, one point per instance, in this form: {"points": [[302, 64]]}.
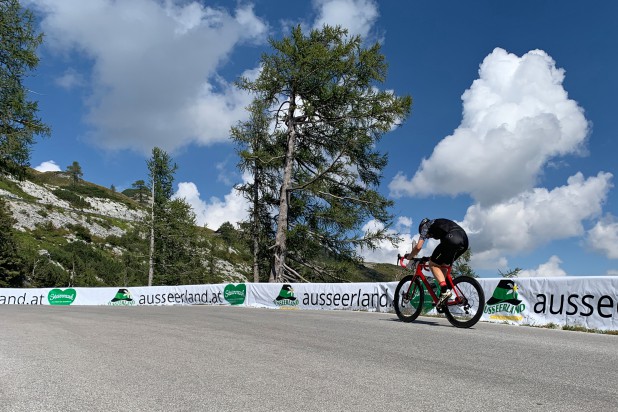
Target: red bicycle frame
{"points": [[423, 264]]}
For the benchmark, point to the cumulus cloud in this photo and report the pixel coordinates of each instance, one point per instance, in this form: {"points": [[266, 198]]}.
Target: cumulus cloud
{"points": [[536, 217], [517, 121], [385, 252], [70, 79], [549, 269], [516, 117], [213, 213], [603, 237], [154, 67], [358, 16], [48, 166]]}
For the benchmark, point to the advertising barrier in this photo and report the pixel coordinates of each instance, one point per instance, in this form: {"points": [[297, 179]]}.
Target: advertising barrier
{"points": [[590, 302], [587, 301]]}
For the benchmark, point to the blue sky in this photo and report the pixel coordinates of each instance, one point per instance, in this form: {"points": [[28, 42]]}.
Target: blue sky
{"points": [[512, 131]]}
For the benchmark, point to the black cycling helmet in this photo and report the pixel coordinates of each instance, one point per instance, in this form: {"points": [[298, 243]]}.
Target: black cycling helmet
{"points": [[420, 225]]}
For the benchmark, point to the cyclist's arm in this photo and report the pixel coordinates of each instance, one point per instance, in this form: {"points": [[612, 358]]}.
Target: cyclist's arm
{"points": [[416, 249]]}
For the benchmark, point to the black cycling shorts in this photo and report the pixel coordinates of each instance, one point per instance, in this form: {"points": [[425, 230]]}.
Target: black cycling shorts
{"points": [[451, 246]]}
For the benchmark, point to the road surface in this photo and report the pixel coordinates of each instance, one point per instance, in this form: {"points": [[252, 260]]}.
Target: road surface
{"points": [[203, 358]]}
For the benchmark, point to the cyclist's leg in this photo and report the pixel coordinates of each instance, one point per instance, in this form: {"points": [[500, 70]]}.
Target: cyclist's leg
{"points": [[436, 260], [440, 257], [437, 272], [450, 248]]}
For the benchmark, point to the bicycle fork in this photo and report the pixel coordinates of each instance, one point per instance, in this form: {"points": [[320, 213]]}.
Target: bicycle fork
{"points": [[407, 295]]}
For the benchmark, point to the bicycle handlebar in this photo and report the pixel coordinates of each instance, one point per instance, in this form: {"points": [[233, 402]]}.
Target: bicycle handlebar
{"points": [[400, 260]]}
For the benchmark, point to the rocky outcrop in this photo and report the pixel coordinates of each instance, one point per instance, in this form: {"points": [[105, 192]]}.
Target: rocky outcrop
{"points": [[49, 209]]}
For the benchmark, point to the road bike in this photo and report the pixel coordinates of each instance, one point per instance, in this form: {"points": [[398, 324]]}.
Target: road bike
{"points": [[463, 309]]}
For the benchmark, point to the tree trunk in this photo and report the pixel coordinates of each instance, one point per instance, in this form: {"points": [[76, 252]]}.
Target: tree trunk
{"points": [[280, 250], [151, 258], [256, 226]]}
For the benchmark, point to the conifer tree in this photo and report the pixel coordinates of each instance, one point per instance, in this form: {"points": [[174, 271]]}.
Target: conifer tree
{"points": [[142, 190], [19, 122], [329, 116], [161, 173], [259, 157], [11, 264], [75, 172]]}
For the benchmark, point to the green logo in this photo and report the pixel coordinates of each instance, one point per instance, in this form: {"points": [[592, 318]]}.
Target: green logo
{"points": [[235, 294], [61, 297], [505, 304], [286, 297], [123, 298]]}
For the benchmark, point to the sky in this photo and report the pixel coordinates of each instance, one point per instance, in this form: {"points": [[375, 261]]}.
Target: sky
{"points": [[512, 133]]}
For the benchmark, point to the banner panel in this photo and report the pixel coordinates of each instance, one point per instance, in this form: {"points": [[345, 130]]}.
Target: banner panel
{"points": [[350, 296], [590, 302], [126, 296]]}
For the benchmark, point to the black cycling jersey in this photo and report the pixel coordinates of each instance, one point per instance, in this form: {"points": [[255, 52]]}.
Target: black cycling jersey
{"points": [[453, 240], [438, 228]]}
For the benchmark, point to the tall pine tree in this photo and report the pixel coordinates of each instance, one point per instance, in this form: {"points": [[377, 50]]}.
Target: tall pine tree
{"points": [[329, 115], [259, 157], [161, 173], [19, 122]]}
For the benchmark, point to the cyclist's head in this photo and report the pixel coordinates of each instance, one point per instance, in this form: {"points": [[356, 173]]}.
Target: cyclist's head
{"points": [[420, 225]]}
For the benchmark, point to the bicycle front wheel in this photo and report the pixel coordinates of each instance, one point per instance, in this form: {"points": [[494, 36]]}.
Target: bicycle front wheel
{"points": [[408, 301], [465, 307]]}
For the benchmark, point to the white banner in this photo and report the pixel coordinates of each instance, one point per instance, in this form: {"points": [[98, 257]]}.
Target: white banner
{"points": [[351, 296], [591, 302], [587, 301], [123, 296]]}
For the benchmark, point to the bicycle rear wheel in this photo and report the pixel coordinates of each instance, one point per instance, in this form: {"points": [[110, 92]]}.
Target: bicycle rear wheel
{"points": [[465, 307], [408, 300]]}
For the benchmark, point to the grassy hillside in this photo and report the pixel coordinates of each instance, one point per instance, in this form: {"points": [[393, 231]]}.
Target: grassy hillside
{"points": [[89, 235]]}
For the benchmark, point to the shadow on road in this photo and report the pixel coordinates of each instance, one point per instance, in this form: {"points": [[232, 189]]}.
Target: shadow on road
{"points": [[419, 321]]}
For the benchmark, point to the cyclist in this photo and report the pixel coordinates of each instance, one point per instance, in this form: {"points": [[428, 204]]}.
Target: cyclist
{"points": [[453, 243]]}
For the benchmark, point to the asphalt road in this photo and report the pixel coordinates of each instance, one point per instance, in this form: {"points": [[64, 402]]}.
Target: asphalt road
{"points": [[206, 358]]}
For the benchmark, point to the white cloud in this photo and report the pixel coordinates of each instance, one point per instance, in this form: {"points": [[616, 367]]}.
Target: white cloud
{"points": [[603, 237], [534, 218], [154, 67], [516, 118], [213, 213], [385, 251], [488, 259], [549, 269], [358, 16], [48, 166], [404, 222], [70, 79], [223, 173]]}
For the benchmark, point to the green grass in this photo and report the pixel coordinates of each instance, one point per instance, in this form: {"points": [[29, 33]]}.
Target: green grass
{"points": [[13, 188], [573, 328], [83, 188], [577, 328]]}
